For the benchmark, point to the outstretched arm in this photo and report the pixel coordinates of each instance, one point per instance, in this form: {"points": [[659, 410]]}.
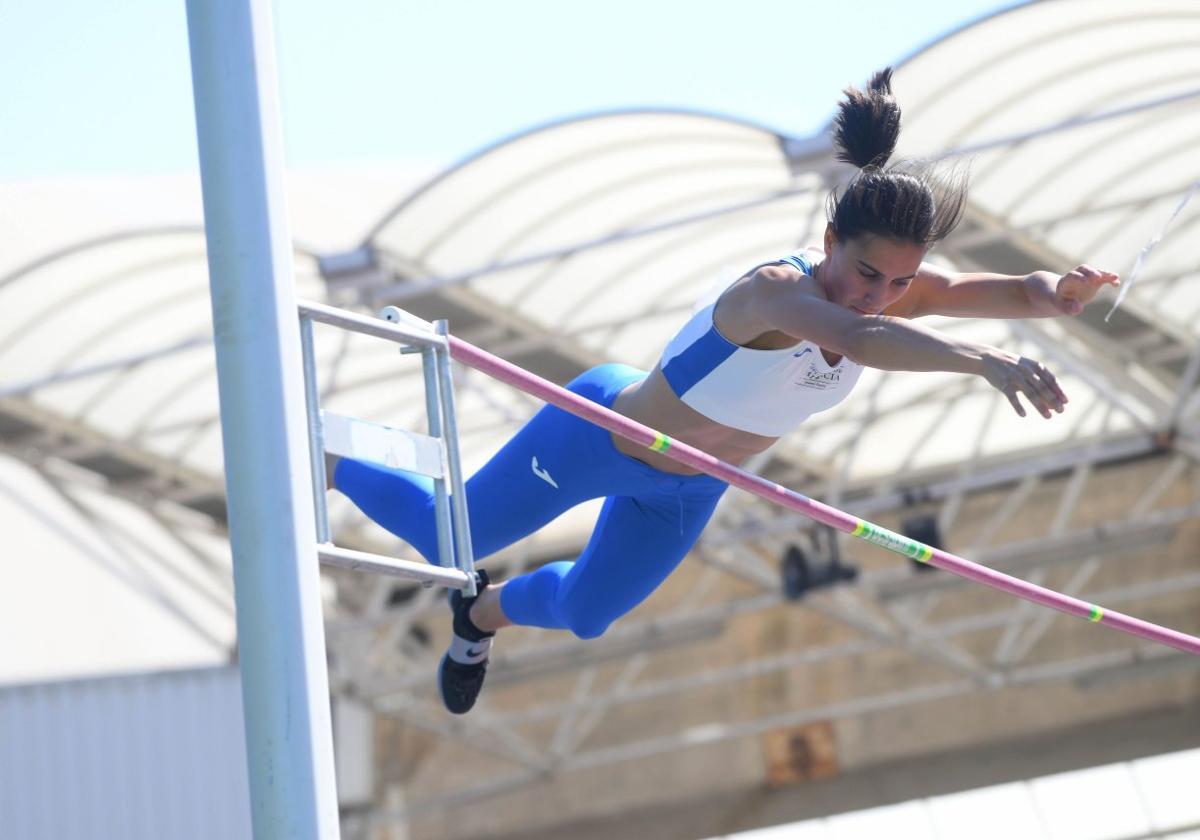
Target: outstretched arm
{"points": [[895, 343], [899, 344], [1042, 294]]}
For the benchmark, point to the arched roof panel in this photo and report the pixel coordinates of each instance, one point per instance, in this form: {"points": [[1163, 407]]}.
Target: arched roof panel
{"points": [[116, 336], [1081, 120]]}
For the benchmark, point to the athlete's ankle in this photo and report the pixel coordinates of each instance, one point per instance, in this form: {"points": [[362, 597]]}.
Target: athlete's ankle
{"points": [[472, 620], [470, 623], [487, 613]]}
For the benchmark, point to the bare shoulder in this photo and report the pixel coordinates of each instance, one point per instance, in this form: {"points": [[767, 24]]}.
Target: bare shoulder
{"points": [[782, 278], [741, 314]]}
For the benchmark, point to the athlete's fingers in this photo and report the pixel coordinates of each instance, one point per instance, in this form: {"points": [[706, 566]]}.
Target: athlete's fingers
{"points": [[1052, 381], [1011, 393], [1035, 399], [1097, 277], [1043, 397], [1036, 390], [1049, 385], [1043, 383]]}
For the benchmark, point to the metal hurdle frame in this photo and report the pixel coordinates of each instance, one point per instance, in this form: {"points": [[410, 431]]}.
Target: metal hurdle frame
{"points": [[434, 455]]}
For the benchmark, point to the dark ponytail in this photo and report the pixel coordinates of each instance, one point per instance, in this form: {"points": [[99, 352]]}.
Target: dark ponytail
{"points": [[867, 125], [905, 201]]}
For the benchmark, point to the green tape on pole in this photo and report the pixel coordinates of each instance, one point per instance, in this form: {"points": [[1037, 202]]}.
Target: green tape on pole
{"points": [[892, 541], [1096, 615]]}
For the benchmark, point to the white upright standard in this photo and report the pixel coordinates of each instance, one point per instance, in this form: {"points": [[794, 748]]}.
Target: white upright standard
{"points": [[281, 640]]}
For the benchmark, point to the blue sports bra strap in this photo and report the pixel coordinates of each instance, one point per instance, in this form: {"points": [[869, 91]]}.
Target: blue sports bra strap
{"points": [[800, 261]]}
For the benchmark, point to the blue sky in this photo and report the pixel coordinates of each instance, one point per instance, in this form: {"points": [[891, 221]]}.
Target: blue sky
{"points": [[104, 88]]}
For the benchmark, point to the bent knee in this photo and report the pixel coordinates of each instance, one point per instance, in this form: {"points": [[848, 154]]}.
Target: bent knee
{"points": [[587, 627]]}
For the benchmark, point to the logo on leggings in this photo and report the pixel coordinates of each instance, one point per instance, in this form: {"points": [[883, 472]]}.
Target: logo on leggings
{"points": [[543, 474]]}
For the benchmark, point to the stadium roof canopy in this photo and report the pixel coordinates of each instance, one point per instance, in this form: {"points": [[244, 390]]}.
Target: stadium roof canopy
{"points": [[590, 240]]}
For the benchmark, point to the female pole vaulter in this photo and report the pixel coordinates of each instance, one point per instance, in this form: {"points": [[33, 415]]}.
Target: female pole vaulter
{"points": [[786, 340]]}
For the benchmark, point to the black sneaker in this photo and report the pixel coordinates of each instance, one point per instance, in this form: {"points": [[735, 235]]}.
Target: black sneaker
{"points": [[461, 672]]}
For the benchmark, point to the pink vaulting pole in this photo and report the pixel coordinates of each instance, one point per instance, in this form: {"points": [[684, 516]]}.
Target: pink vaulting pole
{"points": [[545, 390]]}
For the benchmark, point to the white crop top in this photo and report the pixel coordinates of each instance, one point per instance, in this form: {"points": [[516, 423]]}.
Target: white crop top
{"points": [[764, 392]]}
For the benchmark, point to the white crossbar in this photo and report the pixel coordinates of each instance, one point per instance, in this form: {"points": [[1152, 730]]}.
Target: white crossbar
{"points": [[412, 331], [346, 558]]}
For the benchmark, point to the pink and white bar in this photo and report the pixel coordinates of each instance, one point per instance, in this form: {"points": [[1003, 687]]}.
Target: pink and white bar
{"points": [[545, 390]]}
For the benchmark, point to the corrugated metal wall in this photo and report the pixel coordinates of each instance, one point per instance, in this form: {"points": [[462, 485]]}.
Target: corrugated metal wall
{"points": [[154, 757]]}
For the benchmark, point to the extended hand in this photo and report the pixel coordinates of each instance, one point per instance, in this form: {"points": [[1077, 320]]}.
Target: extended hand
{"points": [[1078, 286], [1017, 374]]}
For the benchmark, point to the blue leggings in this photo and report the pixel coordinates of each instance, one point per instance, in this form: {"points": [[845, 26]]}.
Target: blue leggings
{"points": [[649, 521]]}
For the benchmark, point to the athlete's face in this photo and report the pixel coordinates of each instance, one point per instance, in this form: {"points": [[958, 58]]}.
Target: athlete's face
{"points": [[868, 273]]}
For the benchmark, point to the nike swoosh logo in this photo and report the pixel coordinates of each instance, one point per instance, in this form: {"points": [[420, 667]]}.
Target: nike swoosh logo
{"points": [[471, 652], [802, 352], [543, 474]]}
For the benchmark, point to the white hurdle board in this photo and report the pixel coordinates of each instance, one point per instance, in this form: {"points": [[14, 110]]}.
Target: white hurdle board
{"points": [[351, 437]]}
